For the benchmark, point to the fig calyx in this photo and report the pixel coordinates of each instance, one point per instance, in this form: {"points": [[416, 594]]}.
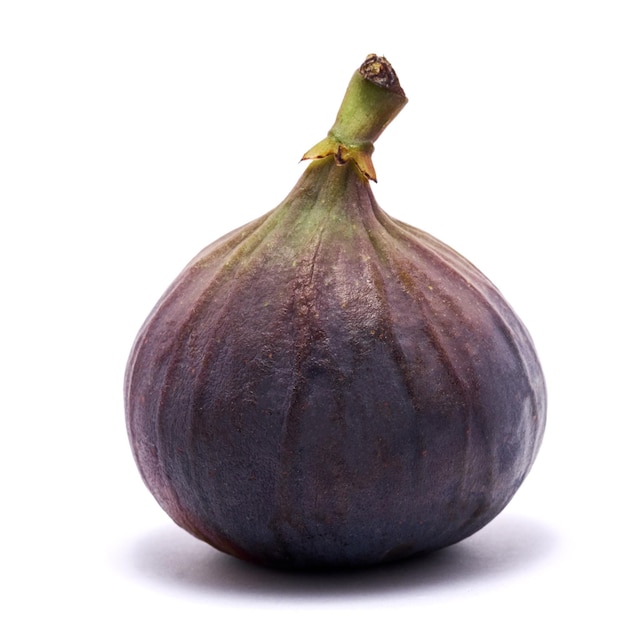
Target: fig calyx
{"points": [[327, 386]]}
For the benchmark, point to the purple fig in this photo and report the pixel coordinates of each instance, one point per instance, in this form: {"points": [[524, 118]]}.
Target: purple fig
{"points": [[327, 386]]}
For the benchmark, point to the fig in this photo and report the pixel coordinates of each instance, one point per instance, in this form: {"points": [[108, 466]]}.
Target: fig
{"points": [[327, 386]]}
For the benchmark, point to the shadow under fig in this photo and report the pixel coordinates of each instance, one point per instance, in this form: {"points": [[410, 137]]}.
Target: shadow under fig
{"points": [[505, 547]]}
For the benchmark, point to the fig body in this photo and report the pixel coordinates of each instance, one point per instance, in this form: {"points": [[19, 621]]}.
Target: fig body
{"points": [[327, 386]]}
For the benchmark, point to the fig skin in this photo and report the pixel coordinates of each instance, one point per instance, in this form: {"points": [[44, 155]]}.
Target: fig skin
{"points": [[327, 386]]}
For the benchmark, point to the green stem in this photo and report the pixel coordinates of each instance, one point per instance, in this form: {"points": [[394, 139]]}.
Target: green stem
{"points": [[373, 99]]}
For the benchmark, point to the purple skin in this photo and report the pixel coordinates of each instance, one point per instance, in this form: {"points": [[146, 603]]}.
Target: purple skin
{"points": [[327, 386]]}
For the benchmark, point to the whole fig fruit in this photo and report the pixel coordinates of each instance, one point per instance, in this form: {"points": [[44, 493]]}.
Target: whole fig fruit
{"points": [[327, 386]]}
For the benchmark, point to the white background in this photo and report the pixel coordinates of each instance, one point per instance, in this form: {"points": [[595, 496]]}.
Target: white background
{"points": [[134, 133]]}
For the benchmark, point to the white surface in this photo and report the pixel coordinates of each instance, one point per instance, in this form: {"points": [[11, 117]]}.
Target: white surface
{"points": [[134, 133]]}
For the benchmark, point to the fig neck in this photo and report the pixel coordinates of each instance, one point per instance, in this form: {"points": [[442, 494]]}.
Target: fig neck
{"points": [[325, 187]]}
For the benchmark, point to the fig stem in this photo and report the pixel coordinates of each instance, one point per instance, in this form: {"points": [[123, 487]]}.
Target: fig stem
{"points": [[373, 99]]}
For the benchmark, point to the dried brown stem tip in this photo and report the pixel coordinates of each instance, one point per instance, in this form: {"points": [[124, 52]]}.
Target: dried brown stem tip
{"points": [[379, 71]]}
